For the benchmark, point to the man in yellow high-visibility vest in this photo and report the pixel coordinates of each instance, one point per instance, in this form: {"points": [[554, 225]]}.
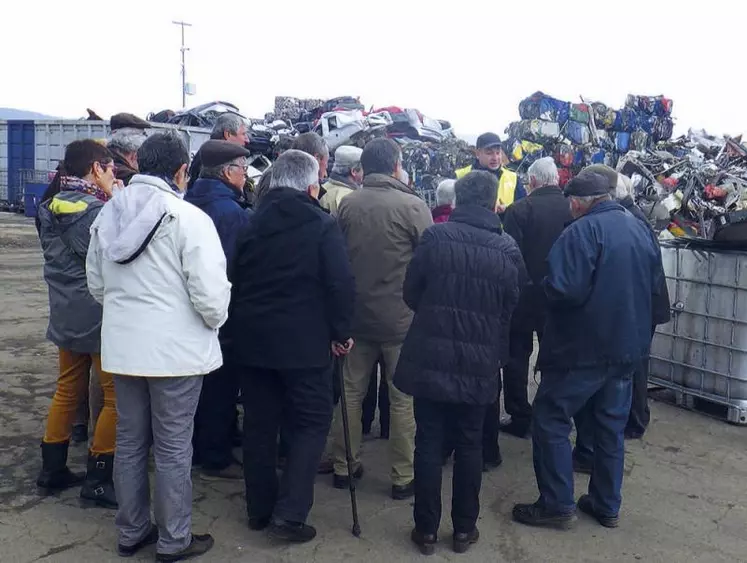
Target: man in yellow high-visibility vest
{"points": [[489, 157]]}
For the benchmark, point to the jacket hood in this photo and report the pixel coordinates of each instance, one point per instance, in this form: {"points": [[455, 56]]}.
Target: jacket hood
{"points": [[477, 217], [285, 208], [67, 208], [127, 224], [208, 190], [384, 181]]}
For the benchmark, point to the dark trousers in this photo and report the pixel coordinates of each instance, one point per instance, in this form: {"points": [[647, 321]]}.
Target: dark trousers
{"points": [[640, 414], [464, 425], [378, 392], [216, 418], [604, 396], [516, 376], [491, 451], [299, 401]]}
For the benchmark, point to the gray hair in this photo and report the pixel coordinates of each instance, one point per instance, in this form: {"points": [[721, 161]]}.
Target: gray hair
{"points": [[445, 194], [127, 140], [227, 122], [312, 144], [545, 172], [588, 201], [477, 188], [217, 171], [294, 169]]}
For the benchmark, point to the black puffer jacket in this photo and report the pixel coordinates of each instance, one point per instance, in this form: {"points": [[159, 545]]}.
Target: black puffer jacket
{"points": [[463, 284]]}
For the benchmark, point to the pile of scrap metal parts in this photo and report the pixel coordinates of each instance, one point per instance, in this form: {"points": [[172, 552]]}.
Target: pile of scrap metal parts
{"points": [[203, 116], [431, 150], [694, 186]]}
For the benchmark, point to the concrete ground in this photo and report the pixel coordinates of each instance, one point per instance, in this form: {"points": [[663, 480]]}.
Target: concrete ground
{"points": [[684, 493]]}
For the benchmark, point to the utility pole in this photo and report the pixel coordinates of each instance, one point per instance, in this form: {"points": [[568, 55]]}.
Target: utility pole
{"points": [[184, 66]]}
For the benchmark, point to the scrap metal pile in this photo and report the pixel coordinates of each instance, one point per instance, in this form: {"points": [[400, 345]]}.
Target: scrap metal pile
{"points": [[695, 185], [692, 186], [430, 149]]}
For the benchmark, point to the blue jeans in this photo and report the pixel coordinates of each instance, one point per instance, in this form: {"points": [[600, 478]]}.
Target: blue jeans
{"points": [[606, 392]]}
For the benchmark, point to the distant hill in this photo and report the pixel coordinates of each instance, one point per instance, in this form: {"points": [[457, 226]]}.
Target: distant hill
{"points": [[11, 113]]}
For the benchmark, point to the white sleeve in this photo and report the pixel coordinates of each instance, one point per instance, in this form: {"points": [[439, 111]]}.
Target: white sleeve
{"points": [[94, 277], [204, 267]]}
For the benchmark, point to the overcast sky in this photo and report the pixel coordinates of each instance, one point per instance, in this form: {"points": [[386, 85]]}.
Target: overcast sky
{"points": [[471, 63]]}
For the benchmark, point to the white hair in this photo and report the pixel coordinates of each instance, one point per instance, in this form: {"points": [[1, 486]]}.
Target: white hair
{"points": [[294, 169], [445, 194], [545, 172], [624, 187]]}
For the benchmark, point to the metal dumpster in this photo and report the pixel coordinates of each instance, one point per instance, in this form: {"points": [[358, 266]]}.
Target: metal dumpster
{"points": [[702, 351]]}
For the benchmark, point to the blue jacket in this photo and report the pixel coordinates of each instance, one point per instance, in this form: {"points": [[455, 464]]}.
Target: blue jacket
{"points": [[221, 203], [603, 273]]}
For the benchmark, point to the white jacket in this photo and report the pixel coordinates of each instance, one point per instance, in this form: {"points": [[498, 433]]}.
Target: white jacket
{"points": [[156, 264]]}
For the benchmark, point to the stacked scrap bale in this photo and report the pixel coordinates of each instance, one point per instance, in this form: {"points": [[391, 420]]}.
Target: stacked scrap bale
{"points": [[577, 135]]}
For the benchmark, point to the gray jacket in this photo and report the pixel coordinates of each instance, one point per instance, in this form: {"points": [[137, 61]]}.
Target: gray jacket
{"points": [[64, 231]]}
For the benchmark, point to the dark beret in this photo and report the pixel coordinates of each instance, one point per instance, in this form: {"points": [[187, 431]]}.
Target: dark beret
{"points": [[587, 184], [607, 172], [127, 121], [215, 153]]}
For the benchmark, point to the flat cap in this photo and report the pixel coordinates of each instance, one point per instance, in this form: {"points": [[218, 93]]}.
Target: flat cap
{"points": [[588, 183], [127, 121], [215, 153], [348, 156], [607, 172]]}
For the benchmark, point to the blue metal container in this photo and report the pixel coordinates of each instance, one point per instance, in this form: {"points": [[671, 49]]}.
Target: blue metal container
{"points": [[32, 195]]}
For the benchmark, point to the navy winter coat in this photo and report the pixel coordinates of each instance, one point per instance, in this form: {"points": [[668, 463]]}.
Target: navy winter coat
{"points": [[222, 204], [463, 284], [603, 273], [293, 289], [662, 310]]}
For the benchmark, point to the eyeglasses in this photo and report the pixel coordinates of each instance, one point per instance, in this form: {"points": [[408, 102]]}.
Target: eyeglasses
{"points": [[245, 167]]}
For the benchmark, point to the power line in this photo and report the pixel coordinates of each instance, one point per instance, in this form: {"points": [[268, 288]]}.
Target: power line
{"points": [[184, 66]]}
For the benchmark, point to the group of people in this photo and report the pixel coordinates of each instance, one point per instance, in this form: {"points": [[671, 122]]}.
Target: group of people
{"points": [[182, 290]]}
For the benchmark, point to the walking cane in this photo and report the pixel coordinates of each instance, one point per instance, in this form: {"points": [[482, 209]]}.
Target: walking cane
{"points": [[348, 454]]}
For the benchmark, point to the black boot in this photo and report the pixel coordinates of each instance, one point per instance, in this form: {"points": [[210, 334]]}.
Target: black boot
{"points": [[98, 488], [55, 475]]}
